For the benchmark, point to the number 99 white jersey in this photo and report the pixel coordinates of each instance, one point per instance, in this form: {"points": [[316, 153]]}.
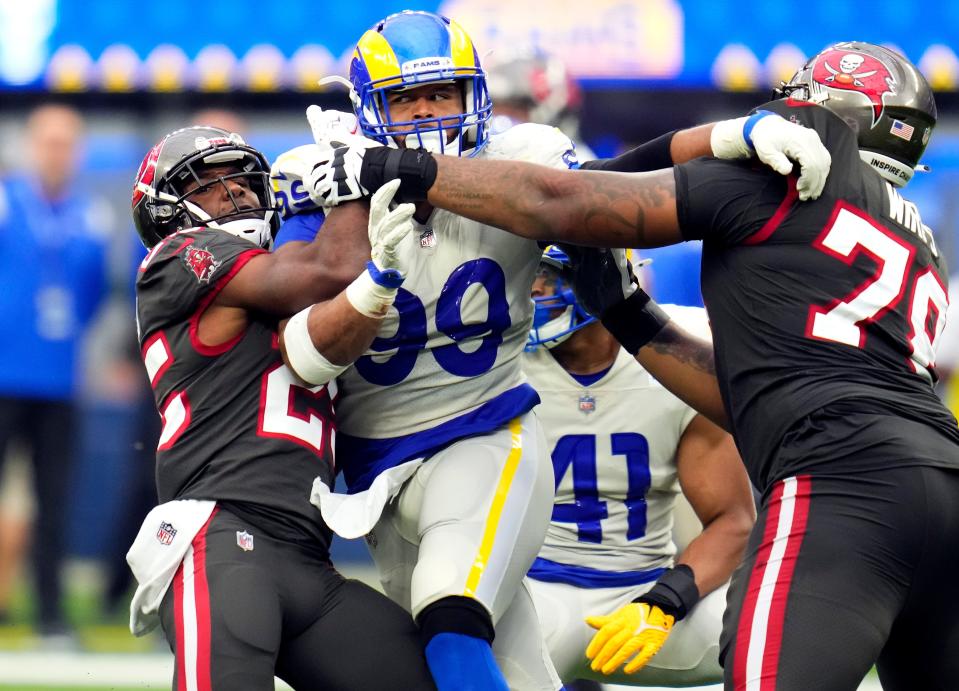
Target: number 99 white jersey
{"points": [[446, 362]]}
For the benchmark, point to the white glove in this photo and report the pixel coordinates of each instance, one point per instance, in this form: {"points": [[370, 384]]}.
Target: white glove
{"points": [[286, 178], [335, 176], [374, 290], [775, 141], [388, 228], [332, 128]]}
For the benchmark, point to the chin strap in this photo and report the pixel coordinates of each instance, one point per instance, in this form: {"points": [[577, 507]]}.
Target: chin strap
{"points": [[257, 230], [896, 172]]}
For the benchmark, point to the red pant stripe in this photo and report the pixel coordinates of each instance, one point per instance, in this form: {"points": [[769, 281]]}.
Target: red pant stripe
{"points": [[760, 630], [191, 604]]}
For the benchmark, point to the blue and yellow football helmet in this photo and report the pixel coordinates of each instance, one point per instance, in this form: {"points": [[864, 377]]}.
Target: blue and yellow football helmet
{"points": [[555, 316], [410, 49]]}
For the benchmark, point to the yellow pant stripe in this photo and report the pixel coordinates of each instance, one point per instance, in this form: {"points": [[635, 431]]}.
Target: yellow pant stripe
{"points": [[496, 510]]}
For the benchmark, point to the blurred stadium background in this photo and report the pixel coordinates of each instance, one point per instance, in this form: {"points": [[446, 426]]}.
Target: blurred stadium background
{"points": [[635, 69]]}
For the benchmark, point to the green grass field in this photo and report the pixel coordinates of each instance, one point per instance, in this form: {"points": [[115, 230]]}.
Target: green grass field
{"points": [[104, 655], [18, 687]]}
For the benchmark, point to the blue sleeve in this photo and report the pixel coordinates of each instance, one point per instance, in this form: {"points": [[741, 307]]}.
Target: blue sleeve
{"points": [[301, 227]]}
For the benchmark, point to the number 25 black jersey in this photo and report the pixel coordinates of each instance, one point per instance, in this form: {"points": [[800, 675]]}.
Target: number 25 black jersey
{"points": [[811, 303], [238, 426]]}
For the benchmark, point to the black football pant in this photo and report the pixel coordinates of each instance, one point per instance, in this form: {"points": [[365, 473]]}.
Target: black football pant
{"points": [[844, 572], [243, 607], [48, 429]]}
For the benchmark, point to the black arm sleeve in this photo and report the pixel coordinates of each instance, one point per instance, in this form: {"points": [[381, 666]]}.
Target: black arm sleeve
{"points": [[653, 155]]}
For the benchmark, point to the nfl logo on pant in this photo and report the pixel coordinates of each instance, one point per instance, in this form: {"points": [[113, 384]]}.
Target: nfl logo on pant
{"points": [[244, 540]]}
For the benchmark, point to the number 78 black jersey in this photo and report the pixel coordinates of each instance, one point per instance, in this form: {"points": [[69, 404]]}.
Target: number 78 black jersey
{"points": [[812, 303], [238, 426]]}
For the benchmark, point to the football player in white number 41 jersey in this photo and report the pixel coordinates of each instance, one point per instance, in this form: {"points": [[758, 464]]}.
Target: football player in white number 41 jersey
{"points": [[446, 464], [623, 448]]}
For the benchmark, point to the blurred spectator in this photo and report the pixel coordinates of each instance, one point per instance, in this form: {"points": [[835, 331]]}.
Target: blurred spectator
{"points": [[219, 117], [53, 267], [16, 515], [529, 85]]}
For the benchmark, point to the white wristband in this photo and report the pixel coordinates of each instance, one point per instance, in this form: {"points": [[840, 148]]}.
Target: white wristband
{"points": [[727, 140], [305, 360], [370, 298]]}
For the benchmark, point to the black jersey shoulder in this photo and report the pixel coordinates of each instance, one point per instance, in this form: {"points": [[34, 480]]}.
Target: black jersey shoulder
{"points": [[731, 202], [185, 270]]}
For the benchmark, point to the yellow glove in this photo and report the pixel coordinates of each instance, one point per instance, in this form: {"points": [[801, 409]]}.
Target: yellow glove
{"points": [[636, 629]]}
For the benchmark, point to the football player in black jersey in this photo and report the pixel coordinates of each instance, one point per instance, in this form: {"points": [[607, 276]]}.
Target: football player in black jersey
{"points": [[234, 562], [825, 316]]}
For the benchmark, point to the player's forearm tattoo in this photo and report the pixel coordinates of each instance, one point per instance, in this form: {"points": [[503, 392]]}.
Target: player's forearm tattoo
{"points": [[621, 205], [691, 351]]}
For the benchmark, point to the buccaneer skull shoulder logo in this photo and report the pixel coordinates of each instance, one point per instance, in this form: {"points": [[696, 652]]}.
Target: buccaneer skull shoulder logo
{"points": [[849, 70], [201, 262]]}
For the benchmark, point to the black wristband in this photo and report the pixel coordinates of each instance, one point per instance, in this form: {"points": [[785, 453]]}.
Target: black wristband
{"points": [[416, 169], [675, 592], [653, 155], [456, 614], [635, 321]]}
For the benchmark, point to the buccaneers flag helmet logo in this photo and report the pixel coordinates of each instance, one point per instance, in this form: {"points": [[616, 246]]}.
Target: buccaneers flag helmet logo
{"points": [[201, 263], [850, 70], [146, 173]]}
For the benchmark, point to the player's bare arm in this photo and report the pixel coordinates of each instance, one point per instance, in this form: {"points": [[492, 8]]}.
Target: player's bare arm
{"points": [[340, 345], [605, 209], [323, 339], [713, 479], [691, 143], [685, 365], [591, 208], [773, 140], [288, 280]]}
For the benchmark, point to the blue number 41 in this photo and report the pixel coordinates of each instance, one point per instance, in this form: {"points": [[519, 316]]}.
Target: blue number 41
{"points": [[587, 510]]}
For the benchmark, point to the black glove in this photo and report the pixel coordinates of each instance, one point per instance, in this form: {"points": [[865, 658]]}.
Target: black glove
{"points": [[605, 286], [601, 277]]}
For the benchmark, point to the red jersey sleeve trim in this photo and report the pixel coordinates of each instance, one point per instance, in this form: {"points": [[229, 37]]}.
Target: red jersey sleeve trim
{"points": [[221, 283], [776, 219]]}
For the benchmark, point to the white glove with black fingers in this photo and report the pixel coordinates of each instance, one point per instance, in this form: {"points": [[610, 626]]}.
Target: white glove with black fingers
{"points": [[777, 142], [335, 176], [335, 173], [375, 289]]}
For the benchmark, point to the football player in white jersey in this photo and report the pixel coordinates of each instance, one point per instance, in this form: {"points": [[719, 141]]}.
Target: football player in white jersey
{"points": [[452, 537], [623, 447]]}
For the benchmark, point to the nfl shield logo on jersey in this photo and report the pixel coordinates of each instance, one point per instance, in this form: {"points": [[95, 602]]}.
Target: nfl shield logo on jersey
{"points": [[166, 533], [427, 239], [244, 540], [587, 404]]}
